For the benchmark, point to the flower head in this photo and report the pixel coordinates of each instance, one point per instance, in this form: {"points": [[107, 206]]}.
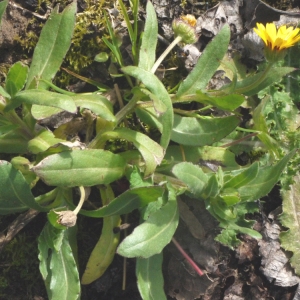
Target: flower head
{"points": [[277, 40], [185, 28]]}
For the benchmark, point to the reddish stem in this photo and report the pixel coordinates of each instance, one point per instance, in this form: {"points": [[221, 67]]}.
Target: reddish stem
{"points": [[186, 256]]}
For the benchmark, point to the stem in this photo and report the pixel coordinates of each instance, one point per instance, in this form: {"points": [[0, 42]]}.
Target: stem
{"points": [[81, 201], [128, 108], [186, 256], [165, 53], [14, 118], [240, 140]]}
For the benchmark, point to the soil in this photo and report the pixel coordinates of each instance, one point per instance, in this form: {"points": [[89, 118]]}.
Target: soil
{"points": [[238, 274]]}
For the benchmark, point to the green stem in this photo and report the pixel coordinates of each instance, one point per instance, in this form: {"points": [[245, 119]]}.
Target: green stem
{"points": [[165, 53], [128, 108], [15, 119], [81, 201], [158, 178]]}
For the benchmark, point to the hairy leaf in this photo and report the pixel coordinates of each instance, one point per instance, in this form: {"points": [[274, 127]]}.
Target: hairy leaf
{"points": [[16, 78], [157, 88], [152, 152], [15, 193], [53, 44], [57, 264], [150, 278], [265, 180], [206, 65], [202, 131], [192, 176], [149, 39], [80, 168], [104, 251], [44, 98], [153, 235], [127, 202]]}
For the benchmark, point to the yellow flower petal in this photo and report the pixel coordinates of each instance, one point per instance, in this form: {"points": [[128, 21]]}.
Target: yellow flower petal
{"points": [[277, 40]]}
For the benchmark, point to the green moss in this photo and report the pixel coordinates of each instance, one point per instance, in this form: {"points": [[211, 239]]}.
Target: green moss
{"points": [[86, 41]]}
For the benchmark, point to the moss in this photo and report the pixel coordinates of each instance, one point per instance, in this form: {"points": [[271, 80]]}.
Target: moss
{"points": [[86, 41]]}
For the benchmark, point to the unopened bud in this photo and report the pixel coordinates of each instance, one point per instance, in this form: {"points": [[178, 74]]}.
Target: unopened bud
{"points": [[185, 28]]}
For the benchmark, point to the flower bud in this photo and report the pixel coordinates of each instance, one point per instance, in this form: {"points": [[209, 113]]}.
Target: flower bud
{"points": [[185, 28]]}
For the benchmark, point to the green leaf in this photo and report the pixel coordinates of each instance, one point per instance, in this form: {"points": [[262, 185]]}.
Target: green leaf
{"points": [[243, 178], [127, 202], [207, 64], [227, 102], [15, 194], [43, 141], [41, 97], [13, 142], [3, 6], [97, 104], [152, 152], [153, 235], [265, 180], [4, 93], [149, 39], [219, 156], [157, 88], [16, 78], [192, 176], [80, 168], [40, 112], [53, 44], [104, 251], [203, 130], [57, 264], [290, 219], [249, 87], [150, 279]]}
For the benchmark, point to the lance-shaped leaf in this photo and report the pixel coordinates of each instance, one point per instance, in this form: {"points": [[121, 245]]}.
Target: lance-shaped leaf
{"points": [[202, 131], [243, 178], [153, 235], [150, 278], [253, 84], [16, 78], [15, 193], [43, 141], [57, 264], [226, 102], [53, 44], [265, 180], [192, 176], [290, 218], [206, 65], [80, 168], [157, 88], [104, 251], [149, 39], [41, 97], [152, 152], [13, 141], [3, 5], [127, 202], [97, 104]]}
